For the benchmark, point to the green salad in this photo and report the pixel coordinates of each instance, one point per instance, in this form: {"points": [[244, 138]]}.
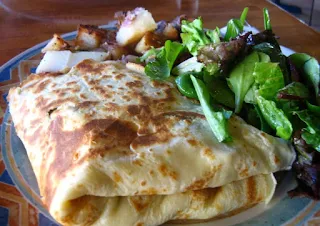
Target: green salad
{"points": [[248, 75]]}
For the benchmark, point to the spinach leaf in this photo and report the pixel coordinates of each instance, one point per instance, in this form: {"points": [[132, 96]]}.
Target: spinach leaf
{"points": [[217, 120], [235, 26], [275, 117], [314, 109], [298, 59], [241, 78], [312, 74], [309, 67], [269, 78]]}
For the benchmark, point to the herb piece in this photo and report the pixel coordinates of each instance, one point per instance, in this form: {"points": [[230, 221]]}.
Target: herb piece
{"points": [[217, 120]]}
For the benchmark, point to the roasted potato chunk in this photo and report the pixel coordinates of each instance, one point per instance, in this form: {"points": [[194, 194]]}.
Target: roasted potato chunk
{"points": [[56, 44], [150, 39], [89, 37]]}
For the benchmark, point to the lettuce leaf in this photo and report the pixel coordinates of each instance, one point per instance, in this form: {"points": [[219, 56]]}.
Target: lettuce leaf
{"points": [[193, 35], [241, 79], [275, 117], [269, 78]]}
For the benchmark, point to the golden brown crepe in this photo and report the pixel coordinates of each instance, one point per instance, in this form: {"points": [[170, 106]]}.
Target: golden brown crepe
{"points": [[103, 132]]}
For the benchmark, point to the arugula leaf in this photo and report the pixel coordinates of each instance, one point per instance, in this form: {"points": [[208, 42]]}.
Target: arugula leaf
{"points": [[172, 49], [190, 65], [275, 117], [217, 120], [266, 19], [193, 35], [160, 66], [269, 78], [241, 78], [293, 91], [312, 139], [235, 26]]}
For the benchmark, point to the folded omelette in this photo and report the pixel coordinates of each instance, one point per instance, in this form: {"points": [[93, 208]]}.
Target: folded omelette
{"points": [[110, 147]]}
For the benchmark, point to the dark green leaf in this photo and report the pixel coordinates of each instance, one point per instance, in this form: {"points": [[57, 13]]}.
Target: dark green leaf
{"points": [[241, 78], [221, 93], [312, 139], [299, 59], [312, 121], [217, 120], [311, 71], [314, 109], [266, 19], [275, 117], [185, 86]]}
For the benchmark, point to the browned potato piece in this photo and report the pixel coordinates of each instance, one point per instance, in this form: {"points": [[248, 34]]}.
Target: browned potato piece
{"points": [[56, 44], [150, 39], [89, 37], [134, 26]]}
